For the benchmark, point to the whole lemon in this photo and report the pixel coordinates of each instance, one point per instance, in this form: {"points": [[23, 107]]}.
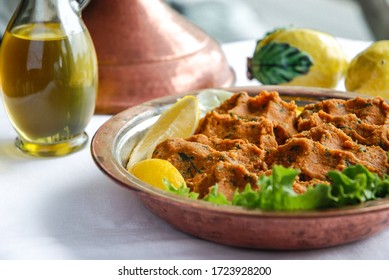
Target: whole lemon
{"points": [[369, 71], [298, 56]]}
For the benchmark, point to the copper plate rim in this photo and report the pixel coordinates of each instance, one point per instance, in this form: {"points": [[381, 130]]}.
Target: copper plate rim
{"points": [[109, 137]]}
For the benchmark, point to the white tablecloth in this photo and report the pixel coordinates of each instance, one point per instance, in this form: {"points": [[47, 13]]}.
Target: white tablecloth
{"points": [[66, 208]]}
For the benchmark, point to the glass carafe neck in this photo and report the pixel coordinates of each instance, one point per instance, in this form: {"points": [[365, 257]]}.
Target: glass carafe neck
{"points": [[47, 10], [64, 12]]}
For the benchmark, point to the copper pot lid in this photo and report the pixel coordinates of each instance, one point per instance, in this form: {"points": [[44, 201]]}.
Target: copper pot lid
{"points": [[146, 50]]}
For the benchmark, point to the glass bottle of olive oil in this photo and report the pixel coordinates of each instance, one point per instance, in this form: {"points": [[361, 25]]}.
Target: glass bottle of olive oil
{"points": [[48, 77]]}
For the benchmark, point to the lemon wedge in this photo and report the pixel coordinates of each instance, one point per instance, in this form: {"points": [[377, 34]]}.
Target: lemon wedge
{"points": [[154, 171], [180, 120]]}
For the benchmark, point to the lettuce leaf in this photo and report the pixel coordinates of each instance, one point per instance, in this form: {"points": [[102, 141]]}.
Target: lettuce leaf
{"points": [[215, 197], [183, 190], [353, 185], [276, 193]]}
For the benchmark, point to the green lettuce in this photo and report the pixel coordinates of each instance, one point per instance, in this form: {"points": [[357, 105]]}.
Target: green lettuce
{"points": [[276, 193], [356, 184], [353, 185], [183, 190], [215, 197]]}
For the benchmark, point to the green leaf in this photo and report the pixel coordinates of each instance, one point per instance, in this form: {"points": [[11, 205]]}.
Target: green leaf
{"points": [[317, 197], [247, 198], [355, 184], [215, 197], [281, 196], [275, 190], [276, 63], [276, 193], [183, 190], [382, 189]]}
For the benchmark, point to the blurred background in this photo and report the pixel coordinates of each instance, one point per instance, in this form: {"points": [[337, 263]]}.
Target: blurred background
{"points": [[233, 20]]}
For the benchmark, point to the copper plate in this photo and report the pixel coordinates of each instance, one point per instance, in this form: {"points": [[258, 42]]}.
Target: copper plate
{"points": [[227, 224]]}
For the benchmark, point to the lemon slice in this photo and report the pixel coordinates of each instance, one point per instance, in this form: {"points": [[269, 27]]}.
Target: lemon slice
{"points": [[180, 120], [212, 98], [153, 171]]}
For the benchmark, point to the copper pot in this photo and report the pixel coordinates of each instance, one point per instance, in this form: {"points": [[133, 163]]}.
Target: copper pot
{"points": [[146, 50]]}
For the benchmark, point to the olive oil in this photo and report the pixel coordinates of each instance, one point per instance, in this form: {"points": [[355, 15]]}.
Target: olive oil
{"points": [[48, 80]]}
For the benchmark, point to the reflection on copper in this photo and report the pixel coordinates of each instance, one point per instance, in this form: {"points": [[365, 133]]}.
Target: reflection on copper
{"points": [[147, 50]]}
